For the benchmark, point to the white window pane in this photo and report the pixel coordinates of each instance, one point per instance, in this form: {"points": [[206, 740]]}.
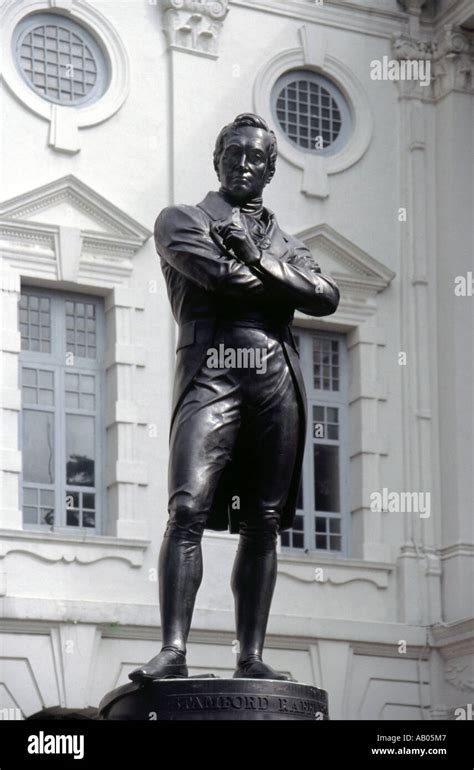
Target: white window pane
{"points": [[45, 379], [46, 497], [38, 446], [29, 395], [72, 381], [46, 397], [87, 402], [87, 384], [30, 515], [72, 400], [30, 496]]}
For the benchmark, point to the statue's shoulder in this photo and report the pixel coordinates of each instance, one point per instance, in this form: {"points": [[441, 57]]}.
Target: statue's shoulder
{"points": [[173, 218]]}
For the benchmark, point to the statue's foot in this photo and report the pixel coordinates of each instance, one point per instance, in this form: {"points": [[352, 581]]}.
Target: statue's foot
{"points": [[255, 668], [168, 664]]}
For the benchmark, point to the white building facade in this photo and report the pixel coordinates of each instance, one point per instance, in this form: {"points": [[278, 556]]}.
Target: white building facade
{"points": [[110, 113]]}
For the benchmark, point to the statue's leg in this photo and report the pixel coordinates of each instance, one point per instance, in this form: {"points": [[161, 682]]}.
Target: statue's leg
{"points": [[253, 582], [180, 574], [202, 441], [270, 448]]}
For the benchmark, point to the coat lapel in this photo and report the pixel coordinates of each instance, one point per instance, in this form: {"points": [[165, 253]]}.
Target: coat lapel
{"points": [[218, 209]]}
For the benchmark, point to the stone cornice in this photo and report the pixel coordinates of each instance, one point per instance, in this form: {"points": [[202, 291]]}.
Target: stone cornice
{"points": [[451, 633], [368, 19]]}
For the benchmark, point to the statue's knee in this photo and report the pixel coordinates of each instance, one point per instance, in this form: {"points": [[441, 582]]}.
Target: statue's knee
{"points": [[261, 529], [187, 520]]}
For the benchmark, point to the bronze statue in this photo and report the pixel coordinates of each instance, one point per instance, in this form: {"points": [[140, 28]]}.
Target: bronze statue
{"points": [[237, 434]]}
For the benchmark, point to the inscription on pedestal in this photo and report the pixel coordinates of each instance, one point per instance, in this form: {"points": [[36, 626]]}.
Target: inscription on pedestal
{"points": [[218, 699]]}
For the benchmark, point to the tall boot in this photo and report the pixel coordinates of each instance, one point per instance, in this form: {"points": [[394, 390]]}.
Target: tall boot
{"points": [[253, 582], [180, 575]]}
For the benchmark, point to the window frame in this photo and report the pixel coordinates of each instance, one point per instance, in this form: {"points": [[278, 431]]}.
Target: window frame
{"points": [[310, 76], [55, 361], [26, 27], [318, 397]]}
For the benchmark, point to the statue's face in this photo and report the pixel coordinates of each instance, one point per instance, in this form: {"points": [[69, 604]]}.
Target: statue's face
{"points": [[244, 163]]}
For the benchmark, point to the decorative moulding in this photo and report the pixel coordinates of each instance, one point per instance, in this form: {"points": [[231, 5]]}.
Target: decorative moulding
{"points": [[65, 121], [67, 231], [312, 55], [380, 650], [52, 547], [337, 578], [194, 26]]}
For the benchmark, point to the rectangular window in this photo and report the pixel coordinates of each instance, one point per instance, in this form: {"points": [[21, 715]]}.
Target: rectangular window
{"points": [[62, 419], [323, 506]]}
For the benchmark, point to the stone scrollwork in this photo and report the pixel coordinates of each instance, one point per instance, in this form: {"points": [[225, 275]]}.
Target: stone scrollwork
{"points": [[453, 61], [215, 8], [194, 25], [406, 47], [450, 55]]}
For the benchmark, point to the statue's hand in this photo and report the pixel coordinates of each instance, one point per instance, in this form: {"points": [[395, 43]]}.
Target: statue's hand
{"points": [[236, 237]]}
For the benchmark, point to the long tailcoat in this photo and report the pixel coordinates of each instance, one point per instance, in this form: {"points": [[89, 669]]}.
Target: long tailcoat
{"points": [[206, 282]]}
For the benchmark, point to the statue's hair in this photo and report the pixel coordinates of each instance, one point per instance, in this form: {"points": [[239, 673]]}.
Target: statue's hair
{"points": [[246, 119]]}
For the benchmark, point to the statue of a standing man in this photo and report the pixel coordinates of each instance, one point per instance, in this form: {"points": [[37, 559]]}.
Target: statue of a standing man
{"points": [[237, 435]]}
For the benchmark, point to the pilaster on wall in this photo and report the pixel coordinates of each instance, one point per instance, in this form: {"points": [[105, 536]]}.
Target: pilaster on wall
{"points": [[418, 563], [424, 277], [10, 400], [125, 472], [368, 442], [455, 246]]}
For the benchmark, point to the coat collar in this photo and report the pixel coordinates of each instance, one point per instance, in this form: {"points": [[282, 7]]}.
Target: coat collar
{"points": [[216, 206]]}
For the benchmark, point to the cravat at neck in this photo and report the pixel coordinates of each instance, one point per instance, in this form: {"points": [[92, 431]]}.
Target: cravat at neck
{"points": [[253, 208]]}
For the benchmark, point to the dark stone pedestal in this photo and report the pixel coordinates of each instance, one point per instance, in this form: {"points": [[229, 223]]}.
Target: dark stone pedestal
{"points": [[209, 698]]}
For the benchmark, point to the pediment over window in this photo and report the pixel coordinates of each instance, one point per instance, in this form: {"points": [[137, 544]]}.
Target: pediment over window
{"points": [[70, 232], [360, 276]]}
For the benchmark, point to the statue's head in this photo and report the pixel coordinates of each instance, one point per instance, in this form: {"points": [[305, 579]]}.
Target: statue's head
{"points": [[245, 156]]}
